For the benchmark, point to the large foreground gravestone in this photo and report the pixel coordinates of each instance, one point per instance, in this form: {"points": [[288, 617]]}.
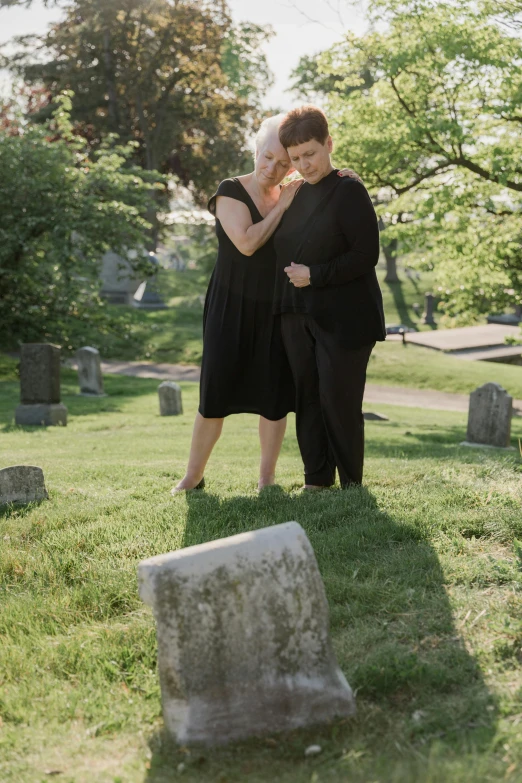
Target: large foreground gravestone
{"points": [[22, 484], [89, 372], [243, 637], [169, 394], [40, 386], [489, 417]]}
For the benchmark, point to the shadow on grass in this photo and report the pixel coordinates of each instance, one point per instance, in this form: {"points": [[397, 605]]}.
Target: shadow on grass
{"points": [[18, 510], [400, 304], [433, 444], [393, 632]]}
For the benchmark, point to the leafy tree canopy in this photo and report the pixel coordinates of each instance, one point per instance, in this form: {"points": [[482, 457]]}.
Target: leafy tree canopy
{"points": [[177, 77], [437, 135], [62, 208]]}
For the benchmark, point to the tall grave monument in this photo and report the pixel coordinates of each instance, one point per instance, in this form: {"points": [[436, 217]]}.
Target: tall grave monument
{"points": [[40, 386]]}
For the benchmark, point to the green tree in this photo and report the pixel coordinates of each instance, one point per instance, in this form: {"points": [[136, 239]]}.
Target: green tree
{"points": [[177, 77], [437, 138], [61, 210]]}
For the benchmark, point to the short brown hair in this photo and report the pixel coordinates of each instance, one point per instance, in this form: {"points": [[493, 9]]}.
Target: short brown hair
{"points": [[302, 125]]}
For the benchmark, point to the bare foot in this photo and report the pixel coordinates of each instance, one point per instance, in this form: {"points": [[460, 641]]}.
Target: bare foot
{"points": [[187, 484]]}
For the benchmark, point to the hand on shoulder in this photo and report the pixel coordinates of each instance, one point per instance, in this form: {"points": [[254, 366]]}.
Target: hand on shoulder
{"points": [[350, 175]]}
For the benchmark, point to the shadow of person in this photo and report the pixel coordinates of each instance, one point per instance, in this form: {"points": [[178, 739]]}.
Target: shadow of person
{"points": [[393, 632]]}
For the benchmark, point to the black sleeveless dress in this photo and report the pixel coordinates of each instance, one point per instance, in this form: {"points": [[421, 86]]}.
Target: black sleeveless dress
{"points": [[244, 367]]}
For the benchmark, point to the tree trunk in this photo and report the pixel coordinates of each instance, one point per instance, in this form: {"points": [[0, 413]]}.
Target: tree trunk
{"points": [[390, 253], [389, 248]]}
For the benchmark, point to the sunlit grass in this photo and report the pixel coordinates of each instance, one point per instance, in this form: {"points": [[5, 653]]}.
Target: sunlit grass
{"points": [[421, 571]]}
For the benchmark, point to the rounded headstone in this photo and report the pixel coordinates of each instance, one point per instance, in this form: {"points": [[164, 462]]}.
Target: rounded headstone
{"points": [[22, 484], [170, 399], [89, 371], [489, 416]]}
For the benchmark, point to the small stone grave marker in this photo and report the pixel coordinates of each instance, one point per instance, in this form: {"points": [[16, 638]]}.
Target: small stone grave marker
{"points": [[89, 372], [170, 399], [489, 417], [40, 386], [429, 307], [22, 484], [243, 637]]}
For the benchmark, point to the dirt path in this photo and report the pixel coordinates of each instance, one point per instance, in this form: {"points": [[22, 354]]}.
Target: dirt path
{"points": [[374, 394]]}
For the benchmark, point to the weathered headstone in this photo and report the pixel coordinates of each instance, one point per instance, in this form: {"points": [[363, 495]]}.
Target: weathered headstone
{"points": [[22, 484], [429, 306], [489, 417], [243, 637], [119, 280], [170, 399], [40, 386], [89, 372]]}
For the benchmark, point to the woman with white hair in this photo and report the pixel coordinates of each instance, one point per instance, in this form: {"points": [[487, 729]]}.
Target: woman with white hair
{"points": [[244, 367]]}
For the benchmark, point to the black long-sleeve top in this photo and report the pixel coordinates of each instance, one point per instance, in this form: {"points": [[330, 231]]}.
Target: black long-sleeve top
{"points": [[332, 228]]}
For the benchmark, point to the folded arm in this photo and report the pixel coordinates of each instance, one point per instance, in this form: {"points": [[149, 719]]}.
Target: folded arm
{"points": [[236, 220]]}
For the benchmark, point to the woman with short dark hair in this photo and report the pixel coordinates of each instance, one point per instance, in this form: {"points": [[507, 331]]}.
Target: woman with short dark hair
{"points": [[329, 301]]}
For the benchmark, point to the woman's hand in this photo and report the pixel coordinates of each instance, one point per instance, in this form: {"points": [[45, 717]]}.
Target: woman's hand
{"points": [[298, 274], [351, 174], [288, 192]]}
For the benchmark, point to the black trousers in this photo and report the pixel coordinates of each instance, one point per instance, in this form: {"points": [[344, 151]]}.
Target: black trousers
{"points": [[330, 380]]}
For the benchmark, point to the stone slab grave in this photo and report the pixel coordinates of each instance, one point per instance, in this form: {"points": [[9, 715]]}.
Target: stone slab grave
{"points": [[170, 402], [371, 416], [40, 386], [489, 417], [243, 637], [89, 372], [22, 484]]}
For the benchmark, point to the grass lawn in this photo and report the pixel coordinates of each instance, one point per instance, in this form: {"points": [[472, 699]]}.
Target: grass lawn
{"points": [[421, 568], [175, 334], [392, 364]]}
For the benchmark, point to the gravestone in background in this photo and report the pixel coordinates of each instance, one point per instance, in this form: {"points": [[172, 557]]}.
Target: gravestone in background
{"points": [[489, 417], [118, 279], [147, 296], [89, 372], [243, 637], [40, 386], [170, 399], [429, 307], [22, 484]]}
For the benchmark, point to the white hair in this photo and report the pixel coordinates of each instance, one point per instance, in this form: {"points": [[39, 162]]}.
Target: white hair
{"points": [[267, 126]]}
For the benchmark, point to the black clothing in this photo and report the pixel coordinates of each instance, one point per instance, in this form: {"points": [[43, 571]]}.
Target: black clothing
{"points": [[330, 380], [332, 228], [244, 367]]}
